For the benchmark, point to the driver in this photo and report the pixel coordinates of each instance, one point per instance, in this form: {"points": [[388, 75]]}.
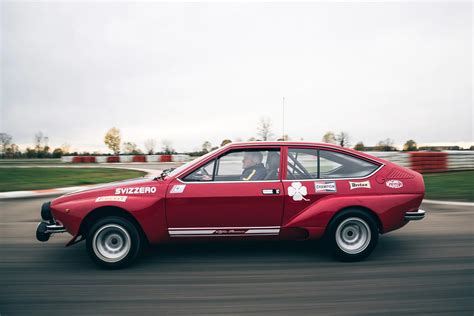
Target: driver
{"points": [[253, 166]]}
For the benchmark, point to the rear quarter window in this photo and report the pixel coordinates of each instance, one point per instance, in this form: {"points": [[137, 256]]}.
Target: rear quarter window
{"points": [[334, 165]]}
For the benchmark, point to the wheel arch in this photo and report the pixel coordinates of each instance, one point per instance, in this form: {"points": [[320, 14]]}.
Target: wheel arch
{"points": [[105, 211], [365, 209]]}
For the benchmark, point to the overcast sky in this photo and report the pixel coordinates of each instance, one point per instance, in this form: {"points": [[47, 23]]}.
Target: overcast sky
{"points": [[195, 72]]}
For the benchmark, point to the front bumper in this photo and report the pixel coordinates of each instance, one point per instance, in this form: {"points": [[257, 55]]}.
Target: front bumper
{"points": [[48, 225], [415, 216]]}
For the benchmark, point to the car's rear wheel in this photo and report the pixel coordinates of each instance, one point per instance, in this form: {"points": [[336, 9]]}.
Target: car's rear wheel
{"points": [[113, 242], [352, 235]]}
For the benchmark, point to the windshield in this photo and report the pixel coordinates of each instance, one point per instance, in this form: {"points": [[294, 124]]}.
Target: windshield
{"points": [[190, 163]]}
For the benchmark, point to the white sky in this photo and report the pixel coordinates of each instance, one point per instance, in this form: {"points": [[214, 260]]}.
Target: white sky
{"points": [[195, 72]]}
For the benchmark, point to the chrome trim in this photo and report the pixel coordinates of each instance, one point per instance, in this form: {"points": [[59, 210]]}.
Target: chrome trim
{"points": [[222, 227], [415, 216], [213, 232], [240, 181], [54, 228]]}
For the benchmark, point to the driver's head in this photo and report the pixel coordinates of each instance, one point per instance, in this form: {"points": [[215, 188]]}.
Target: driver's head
{"points": [[251, 158]]}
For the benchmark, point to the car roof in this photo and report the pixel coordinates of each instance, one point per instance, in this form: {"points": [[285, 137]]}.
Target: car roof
{"points": [[281, 143]]}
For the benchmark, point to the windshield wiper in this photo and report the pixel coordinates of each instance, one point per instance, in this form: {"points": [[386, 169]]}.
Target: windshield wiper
{"points": [[164, 173]]}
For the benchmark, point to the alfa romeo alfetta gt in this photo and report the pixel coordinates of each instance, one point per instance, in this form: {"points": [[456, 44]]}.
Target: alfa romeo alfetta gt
{"points": [[258, 190]]}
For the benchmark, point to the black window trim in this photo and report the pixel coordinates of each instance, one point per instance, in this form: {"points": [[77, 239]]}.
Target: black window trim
{"points": [[379, 165], [275, 148]]}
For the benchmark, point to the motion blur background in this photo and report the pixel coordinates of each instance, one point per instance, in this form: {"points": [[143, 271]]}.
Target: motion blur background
{"points": [[95, 92]]}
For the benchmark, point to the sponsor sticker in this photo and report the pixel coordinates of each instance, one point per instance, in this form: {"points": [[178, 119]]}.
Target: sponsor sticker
{"points": [[135, 190], [297, 191], [325, 186], [394, 184], [359, 185], [113, 198], [179, 188]]}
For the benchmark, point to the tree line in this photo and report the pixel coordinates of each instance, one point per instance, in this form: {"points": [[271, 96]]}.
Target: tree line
{"points": [[113, 140]]}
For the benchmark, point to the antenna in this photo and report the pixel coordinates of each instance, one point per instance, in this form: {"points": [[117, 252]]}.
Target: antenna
{"points": [[283, 119]]}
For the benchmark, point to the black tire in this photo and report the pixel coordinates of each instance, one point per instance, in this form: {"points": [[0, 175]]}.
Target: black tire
{"points": [[113, 242], [352, 235]]}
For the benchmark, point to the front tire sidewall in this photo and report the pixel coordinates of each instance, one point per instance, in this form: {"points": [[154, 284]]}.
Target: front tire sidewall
{"points": [[366, 220], [129, 230]]}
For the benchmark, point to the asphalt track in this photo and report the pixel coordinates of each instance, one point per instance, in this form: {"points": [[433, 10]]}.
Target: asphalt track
{"points": [[426, 267]]}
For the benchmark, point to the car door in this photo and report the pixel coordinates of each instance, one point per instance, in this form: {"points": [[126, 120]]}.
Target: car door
{"points": [[216, 198]]}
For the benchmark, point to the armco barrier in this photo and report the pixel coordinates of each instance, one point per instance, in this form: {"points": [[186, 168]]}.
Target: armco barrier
{"points": [[140, 158], [153, 158], [165, 158], [460, 160], [113, 159], [429, 161], [125, 158]]}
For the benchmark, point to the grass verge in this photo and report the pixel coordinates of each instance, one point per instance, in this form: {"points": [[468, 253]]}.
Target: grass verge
{"points": [[451, 186], [17, 179]]}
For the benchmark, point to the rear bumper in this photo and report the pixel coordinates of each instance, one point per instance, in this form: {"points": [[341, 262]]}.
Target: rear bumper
{"points": [[415, 216]]}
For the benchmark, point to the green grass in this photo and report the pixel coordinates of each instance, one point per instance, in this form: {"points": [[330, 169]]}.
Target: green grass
{"points": [[453, 186], [31, 161], [17, 179]]}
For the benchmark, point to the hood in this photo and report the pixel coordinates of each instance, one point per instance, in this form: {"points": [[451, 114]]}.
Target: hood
{"points": [[142, 186]]}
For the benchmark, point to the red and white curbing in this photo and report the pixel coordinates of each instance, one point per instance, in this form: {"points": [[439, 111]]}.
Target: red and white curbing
{"points": [[125, 158]]}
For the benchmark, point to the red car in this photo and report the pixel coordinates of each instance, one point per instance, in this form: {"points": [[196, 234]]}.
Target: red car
{"points": [[260, 190]]}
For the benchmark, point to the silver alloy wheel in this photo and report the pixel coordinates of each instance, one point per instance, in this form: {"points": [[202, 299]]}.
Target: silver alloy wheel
{"points": [[353, 235], [111, 243]]}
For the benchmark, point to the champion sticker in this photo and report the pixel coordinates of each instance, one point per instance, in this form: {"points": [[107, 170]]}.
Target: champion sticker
{"points": [[394, 184], [297, 191], [112, 198], [179, 188], [325, 186], [135, 190], [359, 185]]}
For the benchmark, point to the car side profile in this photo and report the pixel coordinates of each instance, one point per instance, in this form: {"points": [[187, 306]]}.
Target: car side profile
{"points": [[255, 190]]}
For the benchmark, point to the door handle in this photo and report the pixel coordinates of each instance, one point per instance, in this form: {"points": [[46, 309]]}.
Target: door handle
{"points": [[271, 191]]}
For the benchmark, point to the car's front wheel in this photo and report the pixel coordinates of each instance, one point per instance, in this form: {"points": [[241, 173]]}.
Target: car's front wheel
{"points": [[113, 242], [352, 235]]}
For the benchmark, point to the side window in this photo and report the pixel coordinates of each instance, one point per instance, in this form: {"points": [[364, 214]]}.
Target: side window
{"points": [[240, 165], [336, 165], [204, 173], [303, 164], [248, 165]]}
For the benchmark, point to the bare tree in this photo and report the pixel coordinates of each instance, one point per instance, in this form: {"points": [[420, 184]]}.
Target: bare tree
{"points": [[207, 146], [131, 148], [167, 146], [112, 139], [385, 145], [150, 145], [329, 137], [5, 141], [264, 128], [39, 138], [343, 139], [65, 148]]}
